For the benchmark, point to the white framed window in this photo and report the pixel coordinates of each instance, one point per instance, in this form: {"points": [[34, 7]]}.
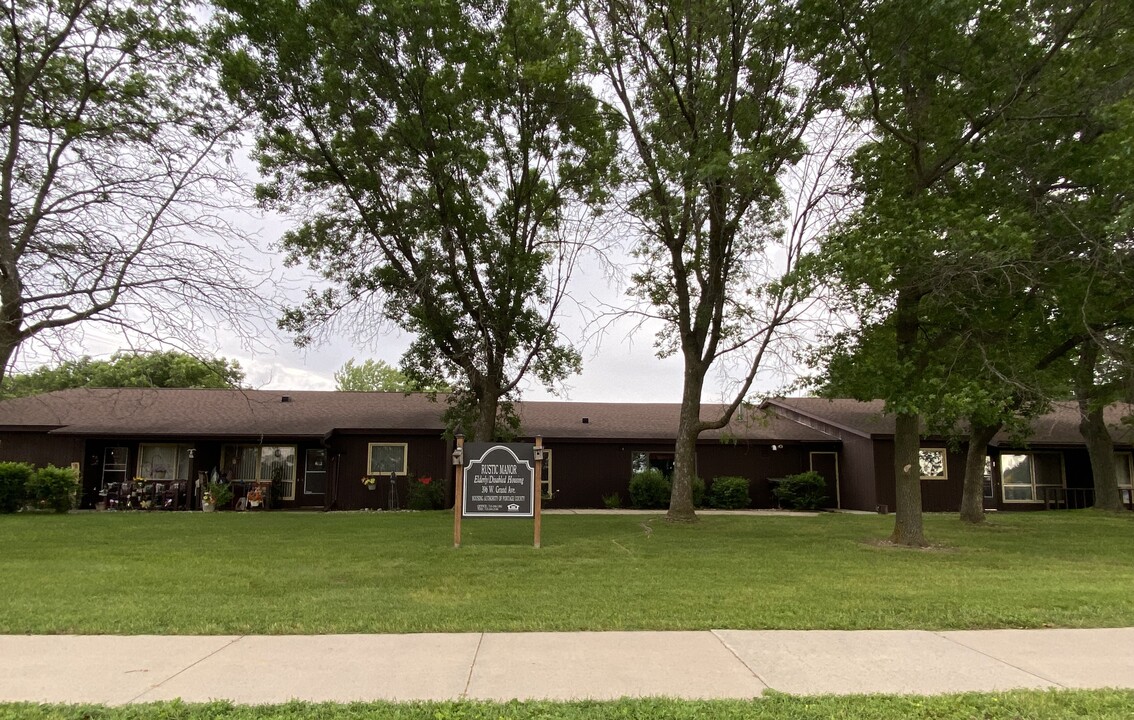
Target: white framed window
{"points": [[163, 462], [933, 462], [262, 464], [1124, 469], [545, 477], [1030, 477], [387, 458]]}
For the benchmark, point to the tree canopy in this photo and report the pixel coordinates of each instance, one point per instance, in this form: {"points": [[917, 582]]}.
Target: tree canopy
{"points": [[376, 376], [716, 98], [952, 93], [113, 175], [167, 369], [436, 151]]}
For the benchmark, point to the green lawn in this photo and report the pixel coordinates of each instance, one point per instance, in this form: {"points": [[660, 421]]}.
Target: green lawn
{"points": [[221, 573], [1033, 705]]}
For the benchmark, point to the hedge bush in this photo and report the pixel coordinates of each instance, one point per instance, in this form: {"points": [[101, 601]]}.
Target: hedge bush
{"points": [[14, 478], [649, 489], [53, 488], [425, 494], [729, 493], [805, 491]]}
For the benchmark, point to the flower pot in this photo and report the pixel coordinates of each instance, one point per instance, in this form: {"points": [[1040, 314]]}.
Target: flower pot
{"points": [[208, 507]]}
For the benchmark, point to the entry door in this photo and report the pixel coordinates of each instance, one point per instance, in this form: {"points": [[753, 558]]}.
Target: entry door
{"points": [[827, 465]]}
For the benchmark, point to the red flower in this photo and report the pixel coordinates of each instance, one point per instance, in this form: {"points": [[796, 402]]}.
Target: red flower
{"points": [[426, 480]]}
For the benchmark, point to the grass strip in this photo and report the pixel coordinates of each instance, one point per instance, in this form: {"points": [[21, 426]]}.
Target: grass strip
{"points": [[293, 573], [1016, 705]]}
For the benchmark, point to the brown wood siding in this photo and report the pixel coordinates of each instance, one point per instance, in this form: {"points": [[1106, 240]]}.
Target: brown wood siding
{"points": [[348, 460], [582, 473], [856, 470], [40, 449], [936, 495]]}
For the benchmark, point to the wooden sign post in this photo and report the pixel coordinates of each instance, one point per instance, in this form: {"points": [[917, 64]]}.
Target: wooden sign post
{"points": [[458, 478], [538, 488]]}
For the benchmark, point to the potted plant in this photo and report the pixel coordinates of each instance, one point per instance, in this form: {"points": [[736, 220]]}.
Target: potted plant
{"points": [[216, 494], [369, 481]]}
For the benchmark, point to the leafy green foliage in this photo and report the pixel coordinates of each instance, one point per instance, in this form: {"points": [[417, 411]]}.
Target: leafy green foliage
{"points": [[436, 150], [376, 376], [804, 491], [425, 493], [729, 493], [649, 489], [166, 369], [14, 477], [53, 488], [716, 99], [218, 494], [943, 263]]}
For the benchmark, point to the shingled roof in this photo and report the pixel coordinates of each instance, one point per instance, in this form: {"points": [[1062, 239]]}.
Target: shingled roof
{"points": [[170, 411], [868, 419], [206, 412]]}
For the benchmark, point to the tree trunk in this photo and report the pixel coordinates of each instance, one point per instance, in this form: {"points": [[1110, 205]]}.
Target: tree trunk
{"points": [[11, 318], [685, 450], [1100, 447], [908, 528], [907, 433], [972, 492], [484, 426], [1092, 426]]}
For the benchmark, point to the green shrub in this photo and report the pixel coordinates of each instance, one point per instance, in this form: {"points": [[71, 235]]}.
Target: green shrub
{"points": [[217, 494], [53, 488], [729, 493], [649, 489], [612, 501], [805, 491], [697, 488], [14, 478], [425, 494]]}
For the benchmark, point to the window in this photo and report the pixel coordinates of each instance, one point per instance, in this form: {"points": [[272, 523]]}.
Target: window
{"points": [[163, 462], [1122, 467], [1029, 477], [387, 458], [641, 461], [315, 472], [989, 491], [545, 477], [262, 463], [933, 464]]}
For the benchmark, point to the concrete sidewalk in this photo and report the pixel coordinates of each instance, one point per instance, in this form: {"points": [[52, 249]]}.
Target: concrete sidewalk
{"points": [[561, 666]]}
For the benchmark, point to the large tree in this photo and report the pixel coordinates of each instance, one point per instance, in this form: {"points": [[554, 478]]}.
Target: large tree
{"points": [[436, 150], [716, 98], [167, 369], [112, 173], [935, 230]]}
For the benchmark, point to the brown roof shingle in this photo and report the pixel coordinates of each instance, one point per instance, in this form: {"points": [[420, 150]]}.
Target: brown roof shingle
{"points": [[201, 412], [1058, 427]]}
